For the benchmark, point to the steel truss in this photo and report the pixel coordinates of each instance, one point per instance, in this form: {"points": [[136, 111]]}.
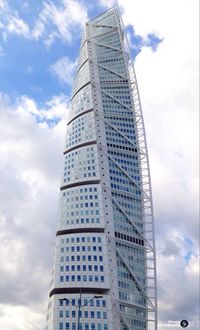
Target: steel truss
{"points": [[149, 291]]}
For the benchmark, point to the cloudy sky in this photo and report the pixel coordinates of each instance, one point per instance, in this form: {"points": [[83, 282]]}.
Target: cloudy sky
{"points": [[39, 45]]}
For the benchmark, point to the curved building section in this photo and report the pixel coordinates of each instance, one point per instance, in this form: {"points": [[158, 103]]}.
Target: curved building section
{"points": [[105, 256]]}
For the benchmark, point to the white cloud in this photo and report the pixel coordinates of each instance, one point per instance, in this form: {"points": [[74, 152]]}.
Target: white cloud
{"points": [[55, 108], [3, 4], [11, 23], [17, 26], [64, 69], [62, 21], [18, 317], [30, 165]]}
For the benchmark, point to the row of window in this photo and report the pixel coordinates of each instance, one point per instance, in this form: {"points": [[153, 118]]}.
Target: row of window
{"points": [[128, 249], [140, 270], [123, 188], [116, 146], [83, 258], [88, 168], [128, 296], [129, 238], [121, 196], [81, 239], [84, 268], [81, 212], [78, 191], [113, 63], [85, 175], [120, 218], [88, 302], [85, 314], [81, 249], [82, 326], [75, 153], [124, 181], [111, 40], [82, 197], [82, 221], [121, 174], [128, 228], [123, 121], [81, 205], [123, 156], [82, 278], [128, 133], [127, 276], [116, 137], [115, 110], [120, 87]]}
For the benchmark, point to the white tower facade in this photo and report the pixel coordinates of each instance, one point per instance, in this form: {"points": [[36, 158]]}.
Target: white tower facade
{"points": [[104, 276]]}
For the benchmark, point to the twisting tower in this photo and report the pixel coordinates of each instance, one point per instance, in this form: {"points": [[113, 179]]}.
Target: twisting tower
{"points": [[104, 276]]}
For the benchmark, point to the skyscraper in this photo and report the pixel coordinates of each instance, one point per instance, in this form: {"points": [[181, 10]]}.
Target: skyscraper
{"points": [[104, 276]]}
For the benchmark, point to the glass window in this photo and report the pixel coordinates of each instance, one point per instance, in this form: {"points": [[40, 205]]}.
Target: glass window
{"points": [[103, 303], [97, 303], [104, 315], [86, 326], [98, 315]]}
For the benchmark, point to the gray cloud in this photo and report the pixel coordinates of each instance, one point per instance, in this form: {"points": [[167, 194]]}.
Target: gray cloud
{"points": [[30, 161], [170, 248]]}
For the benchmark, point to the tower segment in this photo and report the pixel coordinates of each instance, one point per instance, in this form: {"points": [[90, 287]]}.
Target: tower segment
{"points": [[104, 275]]}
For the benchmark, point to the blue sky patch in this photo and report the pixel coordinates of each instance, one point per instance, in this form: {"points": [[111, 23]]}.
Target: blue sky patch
{"points": [[137, 42], [26, 59]]}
